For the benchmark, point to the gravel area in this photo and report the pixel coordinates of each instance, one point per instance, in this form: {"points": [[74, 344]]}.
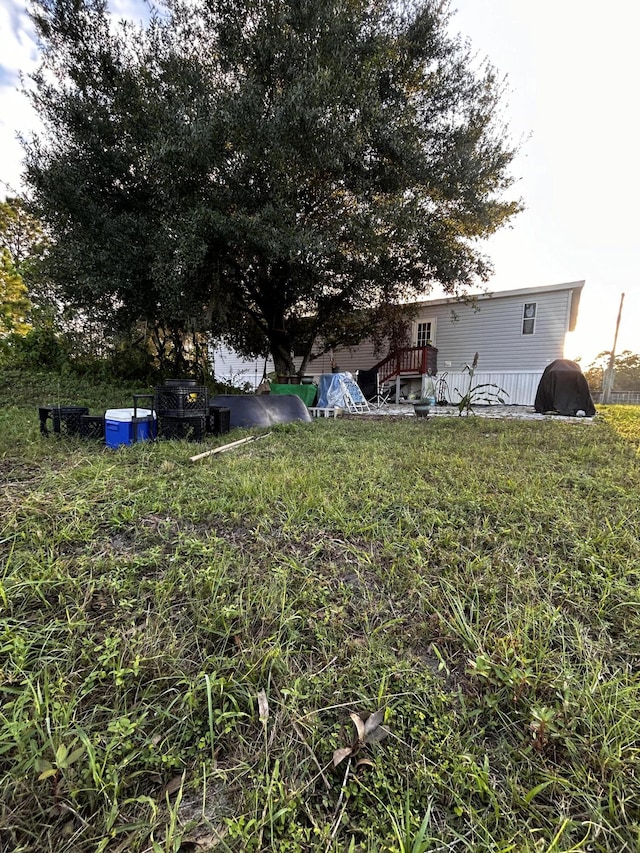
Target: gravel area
{"points": [[503, 412]]}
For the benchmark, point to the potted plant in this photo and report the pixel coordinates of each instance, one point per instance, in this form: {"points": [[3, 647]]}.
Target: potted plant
{"points": [[422, 406]]}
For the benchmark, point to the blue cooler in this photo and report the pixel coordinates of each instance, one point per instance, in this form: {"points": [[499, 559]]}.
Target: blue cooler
{"points": [[126, 426]]}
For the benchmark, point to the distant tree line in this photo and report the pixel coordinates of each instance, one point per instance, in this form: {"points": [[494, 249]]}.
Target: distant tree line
{"points": [[626, 371], [18, 234], [39, 326]]}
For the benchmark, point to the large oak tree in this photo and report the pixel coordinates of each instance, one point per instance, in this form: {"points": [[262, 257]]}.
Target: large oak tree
{"points": [[276, 172]]}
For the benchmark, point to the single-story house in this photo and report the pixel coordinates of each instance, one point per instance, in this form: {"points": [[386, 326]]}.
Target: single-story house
{"points": [[516, 333]]}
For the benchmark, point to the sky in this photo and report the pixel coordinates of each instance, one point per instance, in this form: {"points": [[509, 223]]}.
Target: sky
{"points": [[573, 74]]}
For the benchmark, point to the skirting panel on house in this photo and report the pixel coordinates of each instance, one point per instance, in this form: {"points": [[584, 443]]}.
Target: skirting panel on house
{"points": [[520, 387]]}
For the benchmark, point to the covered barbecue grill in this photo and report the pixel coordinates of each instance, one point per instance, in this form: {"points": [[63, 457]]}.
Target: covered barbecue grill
{"points": [[564, 390]]}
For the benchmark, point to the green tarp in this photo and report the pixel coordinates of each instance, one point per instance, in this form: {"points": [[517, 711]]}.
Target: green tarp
{"points": [[307, 393]]}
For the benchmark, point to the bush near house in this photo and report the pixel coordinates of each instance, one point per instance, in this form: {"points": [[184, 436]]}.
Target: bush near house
{"points": [[193, 655]]}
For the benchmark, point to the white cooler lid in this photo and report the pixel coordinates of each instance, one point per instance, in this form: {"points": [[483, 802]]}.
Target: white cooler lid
{"points": [[126, 414]]}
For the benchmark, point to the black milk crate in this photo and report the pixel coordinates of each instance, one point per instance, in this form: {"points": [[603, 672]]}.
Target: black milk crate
{"points": [[65, 419], [192, 428], [179, 400], [92, 426], [219, 420]]}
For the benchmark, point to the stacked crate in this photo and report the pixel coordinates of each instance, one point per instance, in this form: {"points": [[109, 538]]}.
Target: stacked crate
{"points": [[182, 408], [219, 419]]}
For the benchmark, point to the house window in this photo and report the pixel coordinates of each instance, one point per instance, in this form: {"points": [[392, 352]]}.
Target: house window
{"points": [[529, 318], [424, 334]]}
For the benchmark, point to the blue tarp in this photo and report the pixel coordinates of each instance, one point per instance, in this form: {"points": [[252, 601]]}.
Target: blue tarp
{"points": [[331, 390]]}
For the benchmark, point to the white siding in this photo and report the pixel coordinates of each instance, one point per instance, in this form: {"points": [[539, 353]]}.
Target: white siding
{"points": [[231, 368], [493, 328], [361, 357]]}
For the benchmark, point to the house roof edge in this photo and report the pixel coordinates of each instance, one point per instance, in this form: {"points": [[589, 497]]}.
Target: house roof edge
{"points": [[497, 294]]}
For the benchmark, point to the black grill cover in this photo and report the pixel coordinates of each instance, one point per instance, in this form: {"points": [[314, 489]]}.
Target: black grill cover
{"points": [[564, 390]]}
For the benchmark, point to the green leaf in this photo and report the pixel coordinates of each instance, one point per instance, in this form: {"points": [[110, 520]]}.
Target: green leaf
{"points": [[46, 774], [535, 791], [75, 755]]}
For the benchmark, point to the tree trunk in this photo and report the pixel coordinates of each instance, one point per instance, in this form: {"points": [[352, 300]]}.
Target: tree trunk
{"points": [[283, 363], [281, 352]]}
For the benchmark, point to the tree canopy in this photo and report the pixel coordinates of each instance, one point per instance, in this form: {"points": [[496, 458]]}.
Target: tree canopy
{"points": [[20, 240], [264, 169], [14, 303]]}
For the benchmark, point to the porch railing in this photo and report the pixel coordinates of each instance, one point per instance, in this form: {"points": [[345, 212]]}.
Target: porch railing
{"points": [[409, 361]]}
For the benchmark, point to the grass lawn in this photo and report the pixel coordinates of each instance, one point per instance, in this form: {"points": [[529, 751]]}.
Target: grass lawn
{"points": [[186, 650]]}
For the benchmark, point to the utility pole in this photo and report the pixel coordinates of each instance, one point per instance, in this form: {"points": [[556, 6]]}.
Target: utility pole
{"points": [[607, 382]]}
